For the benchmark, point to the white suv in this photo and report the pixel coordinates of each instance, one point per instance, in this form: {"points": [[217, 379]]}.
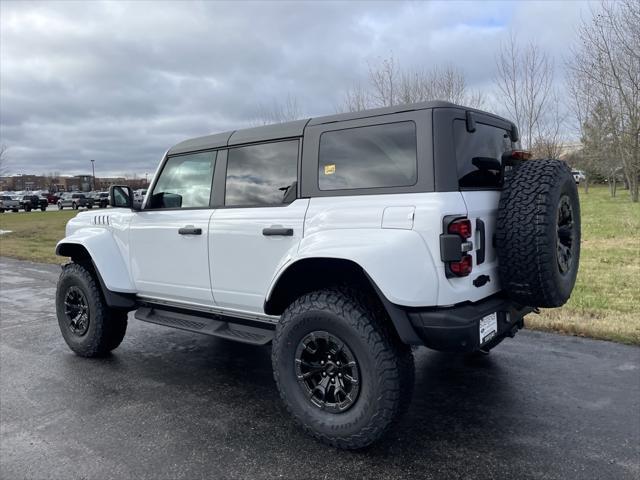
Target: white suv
{"points": [[342, 240]]}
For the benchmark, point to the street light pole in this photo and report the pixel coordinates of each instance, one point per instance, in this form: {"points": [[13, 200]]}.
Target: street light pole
{"points": [[93, 171]]}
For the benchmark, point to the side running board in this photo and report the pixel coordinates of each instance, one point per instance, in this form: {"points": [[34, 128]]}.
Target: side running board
{"points": [[230, 328]]}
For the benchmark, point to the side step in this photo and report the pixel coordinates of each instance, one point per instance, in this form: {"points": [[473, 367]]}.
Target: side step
{"points": [[230, 328]]}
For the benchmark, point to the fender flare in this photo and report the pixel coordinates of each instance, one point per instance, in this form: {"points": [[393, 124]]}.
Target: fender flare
{"points": [[105, 255]]}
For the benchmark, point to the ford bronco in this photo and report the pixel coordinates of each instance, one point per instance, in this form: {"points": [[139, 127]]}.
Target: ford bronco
{"points": [[343, 241]]}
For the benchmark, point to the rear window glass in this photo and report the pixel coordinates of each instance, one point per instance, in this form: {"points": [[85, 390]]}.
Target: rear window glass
{"points": [[479, 154], [368, 157], [262, 175]]}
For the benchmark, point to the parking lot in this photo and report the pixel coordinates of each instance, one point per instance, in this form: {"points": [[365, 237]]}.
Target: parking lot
{"points": [[169, 404]]}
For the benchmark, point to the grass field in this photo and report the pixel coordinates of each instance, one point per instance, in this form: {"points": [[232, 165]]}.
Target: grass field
{"points": [[605, 303]]}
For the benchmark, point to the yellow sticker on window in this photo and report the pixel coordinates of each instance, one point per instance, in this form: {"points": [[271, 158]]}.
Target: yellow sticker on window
{"points": [[330, 169]]}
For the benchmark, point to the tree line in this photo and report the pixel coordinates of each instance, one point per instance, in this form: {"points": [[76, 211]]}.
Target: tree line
{"points": [[601, 95]]}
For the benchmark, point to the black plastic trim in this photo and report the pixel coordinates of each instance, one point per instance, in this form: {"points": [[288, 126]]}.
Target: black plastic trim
{"points": [[119, 300], [456, 328]]}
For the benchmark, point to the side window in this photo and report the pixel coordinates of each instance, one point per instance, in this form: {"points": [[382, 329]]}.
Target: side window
{"points": [[260, 175], [185, 182], [367, 157], [479, 154]]}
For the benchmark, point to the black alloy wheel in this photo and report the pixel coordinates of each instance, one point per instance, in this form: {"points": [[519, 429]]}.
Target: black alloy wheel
{"points": [[327, 371], [76, 310], [565, 234]]}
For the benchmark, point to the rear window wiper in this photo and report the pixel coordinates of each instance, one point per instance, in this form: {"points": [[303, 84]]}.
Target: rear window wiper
{"points": [[486, 163]]}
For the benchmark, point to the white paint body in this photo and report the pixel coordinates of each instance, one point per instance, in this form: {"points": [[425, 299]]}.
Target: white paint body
{"points": [[233, 266]]}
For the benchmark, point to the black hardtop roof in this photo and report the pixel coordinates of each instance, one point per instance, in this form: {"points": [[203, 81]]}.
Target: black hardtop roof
{"points": [[296, 128]]}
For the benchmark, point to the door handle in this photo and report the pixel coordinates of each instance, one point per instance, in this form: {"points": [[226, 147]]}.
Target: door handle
{"points": [[272, 231], [190, 230]]}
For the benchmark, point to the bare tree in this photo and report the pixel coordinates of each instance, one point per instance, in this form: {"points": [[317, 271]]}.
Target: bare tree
{"points": [[356, 99], [549, 136], [390, 85], [524, 79], [3, 160], [286, 111], [605, 65]]}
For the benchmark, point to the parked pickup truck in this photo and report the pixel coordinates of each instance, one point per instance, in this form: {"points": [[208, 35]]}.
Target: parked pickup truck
{"points": [[8, 203], [74, 200], [33, 202]]}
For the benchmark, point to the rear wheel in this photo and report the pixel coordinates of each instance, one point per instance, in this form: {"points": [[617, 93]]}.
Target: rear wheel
{"points": [[341, 371], [43, 208], [27, 208], [74, 206], [60, 206], [88, 325]]}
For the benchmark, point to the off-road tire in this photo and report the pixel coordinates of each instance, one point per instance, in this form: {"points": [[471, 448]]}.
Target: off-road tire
{"points": [[106, 327], [527, 233], [385, 364]]}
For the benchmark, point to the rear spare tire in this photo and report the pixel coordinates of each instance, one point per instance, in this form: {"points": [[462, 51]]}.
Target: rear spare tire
{"points": [[538, 233]]}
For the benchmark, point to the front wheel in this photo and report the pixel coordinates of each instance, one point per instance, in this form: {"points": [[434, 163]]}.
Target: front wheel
{"points": [[27, 209], [60, 206], [341, 371], [88, 325], [43, 208]]}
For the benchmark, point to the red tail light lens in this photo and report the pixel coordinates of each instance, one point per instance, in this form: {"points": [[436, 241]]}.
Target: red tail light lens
{"points": [[463, 267], [521, 155], [461, 227]]}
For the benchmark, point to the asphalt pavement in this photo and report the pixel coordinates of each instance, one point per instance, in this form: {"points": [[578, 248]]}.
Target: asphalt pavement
{"points": [[170, 404]]}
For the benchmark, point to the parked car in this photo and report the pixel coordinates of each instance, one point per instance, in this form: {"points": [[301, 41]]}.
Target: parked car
{"points": [[32, 202], [7, 202], [138, 196], [344, 241], [101, 199], [75, 201], [52, 198], [578, 176]]}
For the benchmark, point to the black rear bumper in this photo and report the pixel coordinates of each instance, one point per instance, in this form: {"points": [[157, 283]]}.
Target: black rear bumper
{"points": [[457, 328]]}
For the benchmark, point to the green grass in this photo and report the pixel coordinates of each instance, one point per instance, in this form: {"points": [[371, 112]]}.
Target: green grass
{"points": [[605, 303], [33, 234]]}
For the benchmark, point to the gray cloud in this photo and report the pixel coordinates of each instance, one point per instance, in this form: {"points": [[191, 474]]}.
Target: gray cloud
{"points": [[121, 82]]}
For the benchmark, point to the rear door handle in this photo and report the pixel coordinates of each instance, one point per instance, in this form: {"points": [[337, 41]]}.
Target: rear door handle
{"points": [[271, 231], [190, 230]]}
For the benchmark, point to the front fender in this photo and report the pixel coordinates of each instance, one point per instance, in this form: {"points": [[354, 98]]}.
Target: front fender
{"points": [[105, 254], [397, 261]]}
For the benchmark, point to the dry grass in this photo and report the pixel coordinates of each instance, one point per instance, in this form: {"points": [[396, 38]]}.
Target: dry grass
{"points": [[33, 235]]}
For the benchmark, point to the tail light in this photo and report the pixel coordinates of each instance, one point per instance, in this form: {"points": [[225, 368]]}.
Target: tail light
{"points": [[461, 226], [454, 245]]}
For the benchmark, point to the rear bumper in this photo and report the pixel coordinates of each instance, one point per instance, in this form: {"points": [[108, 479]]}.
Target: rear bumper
{"points": [[457, 328]]}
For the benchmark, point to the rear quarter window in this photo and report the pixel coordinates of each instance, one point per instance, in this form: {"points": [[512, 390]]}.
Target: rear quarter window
{"points": [[368, 157]]}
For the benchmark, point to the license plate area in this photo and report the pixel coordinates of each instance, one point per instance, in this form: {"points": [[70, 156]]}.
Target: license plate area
{"points": [[488, 327]]}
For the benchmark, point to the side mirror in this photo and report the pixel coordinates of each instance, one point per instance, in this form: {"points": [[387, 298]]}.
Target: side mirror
{"points": [[120, 196]]}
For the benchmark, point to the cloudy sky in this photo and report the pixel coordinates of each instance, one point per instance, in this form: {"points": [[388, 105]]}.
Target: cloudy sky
{"points": [[121, 82]]}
